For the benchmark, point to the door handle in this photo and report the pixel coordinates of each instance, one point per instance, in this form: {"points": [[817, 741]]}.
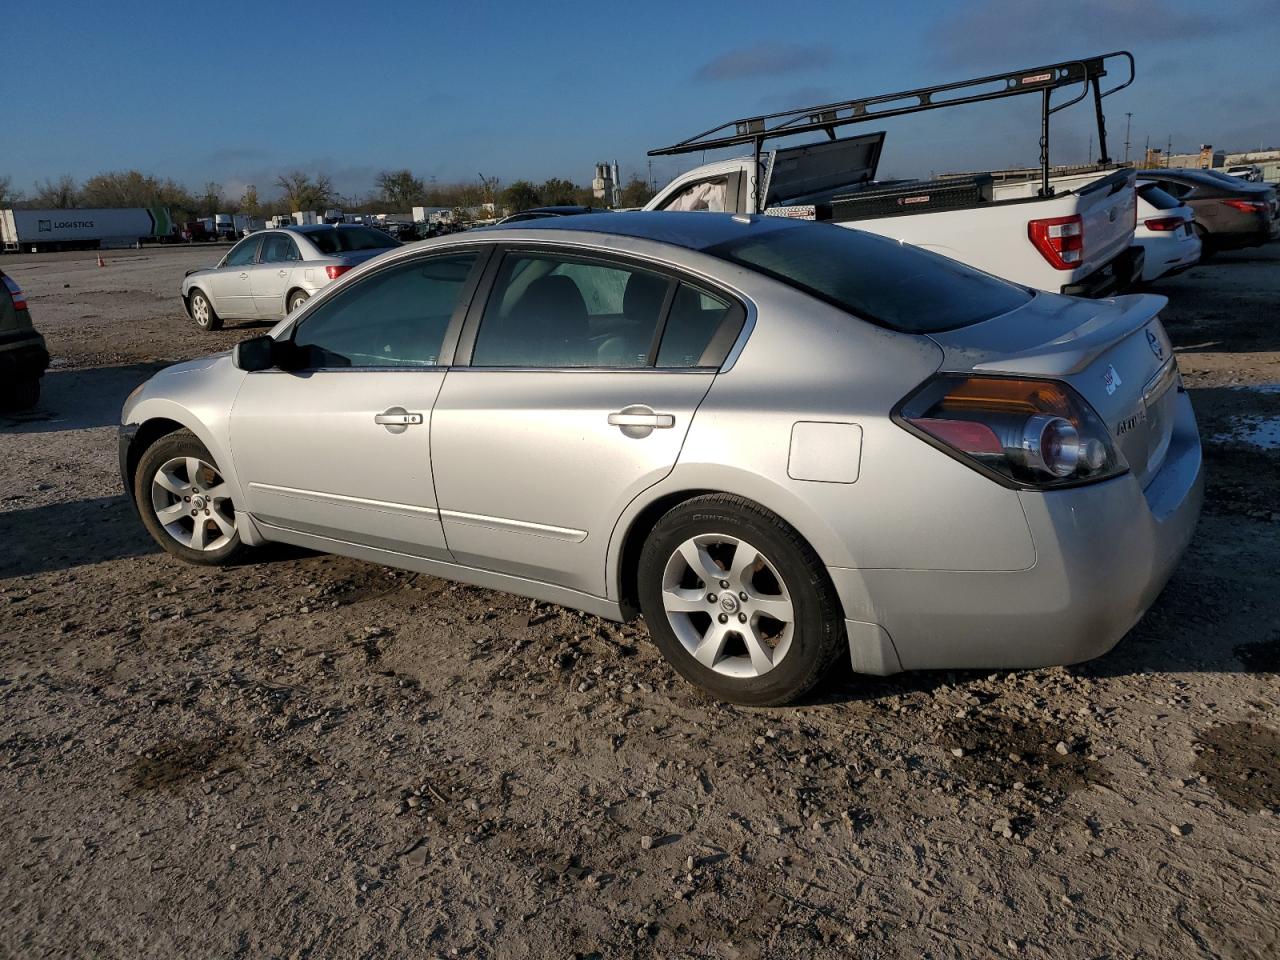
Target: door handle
{"points": [[282, 273], [244, 276], [662, 421], [390, 419]]}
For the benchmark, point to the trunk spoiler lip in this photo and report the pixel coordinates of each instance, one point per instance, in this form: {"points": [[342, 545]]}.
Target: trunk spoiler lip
{"points": [[1073, 351]]}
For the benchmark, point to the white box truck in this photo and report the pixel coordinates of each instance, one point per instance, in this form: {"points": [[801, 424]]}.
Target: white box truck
{"points": [[1070, 233], [35, 231]]}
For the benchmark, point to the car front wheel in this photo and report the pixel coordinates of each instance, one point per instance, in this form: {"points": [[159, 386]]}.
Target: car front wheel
{"points": [[738, 602], [185, 502], [202, 312]]}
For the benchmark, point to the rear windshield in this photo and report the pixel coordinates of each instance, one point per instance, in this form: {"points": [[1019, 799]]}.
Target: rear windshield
{"points": [[888, 283], [1157, 197], [349, 239]]}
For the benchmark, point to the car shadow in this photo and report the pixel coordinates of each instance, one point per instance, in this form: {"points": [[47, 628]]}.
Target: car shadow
{"points": [[61, 536], [80, 399], [58, 536]]}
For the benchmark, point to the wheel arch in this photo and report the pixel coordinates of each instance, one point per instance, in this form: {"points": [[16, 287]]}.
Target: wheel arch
{"points": [[632, 528], [156, 417]]}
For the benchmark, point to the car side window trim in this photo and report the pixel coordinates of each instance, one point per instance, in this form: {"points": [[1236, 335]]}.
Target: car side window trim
{"points": [[482, 252], [712, 359]]}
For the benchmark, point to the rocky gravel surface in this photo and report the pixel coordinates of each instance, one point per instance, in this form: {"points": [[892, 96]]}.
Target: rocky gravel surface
{"points": [[307, 756]]}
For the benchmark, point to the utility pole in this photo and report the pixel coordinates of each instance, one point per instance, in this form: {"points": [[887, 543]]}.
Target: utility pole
{"points": [[651, 186], [1168, 151], [1089, 157], [1128, 119]]}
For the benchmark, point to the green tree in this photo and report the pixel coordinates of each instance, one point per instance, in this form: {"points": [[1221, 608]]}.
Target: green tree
{"points": [[132, 188], [249, 202], [636, 193], [400, 189], [521, 195], [556, 192], [59, 194]]}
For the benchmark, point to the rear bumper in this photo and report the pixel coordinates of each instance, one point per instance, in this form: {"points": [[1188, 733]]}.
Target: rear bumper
{"points": [[1167, 255], [23, 356], [1103, 554], [1111, 277]]}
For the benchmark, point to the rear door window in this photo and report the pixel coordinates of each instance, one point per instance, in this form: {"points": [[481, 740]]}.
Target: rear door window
{"points": [[279, 248], [694, 319], [549, 311]]}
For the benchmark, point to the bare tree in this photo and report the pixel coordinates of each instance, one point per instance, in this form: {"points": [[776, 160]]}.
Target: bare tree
{"points": [[400, 189], [59, 194], [302, 192], [211, 198], [8, 195]]}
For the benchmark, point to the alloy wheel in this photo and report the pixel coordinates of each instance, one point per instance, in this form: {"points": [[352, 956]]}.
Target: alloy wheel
{"points": [[191, 501], [727, 605]]}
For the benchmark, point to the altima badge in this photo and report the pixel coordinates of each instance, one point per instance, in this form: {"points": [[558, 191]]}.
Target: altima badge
{"points": [[1111, 380]]}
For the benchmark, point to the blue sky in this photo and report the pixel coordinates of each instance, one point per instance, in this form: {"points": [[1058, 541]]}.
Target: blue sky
{"points": [[238, 92]]}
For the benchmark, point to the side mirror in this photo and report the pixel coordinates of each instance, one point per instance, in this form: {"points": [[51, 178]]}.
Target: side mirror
{"points": [[256, 353]]}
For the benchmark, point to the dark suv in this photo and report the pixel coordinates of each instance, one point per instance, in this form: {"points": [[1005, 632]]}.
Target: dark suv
{"points": [[1230, 212], [23, 357]]}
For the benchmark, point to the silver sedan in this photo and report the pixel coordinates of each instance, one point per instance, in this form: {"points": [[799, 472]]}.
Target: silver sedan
{"points": [[779, 441], [269, 274]]}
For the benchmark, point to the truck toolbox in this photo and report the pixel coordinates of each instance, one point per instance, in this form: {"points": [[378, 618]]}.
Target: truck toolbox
{"points": [[917, 196]]}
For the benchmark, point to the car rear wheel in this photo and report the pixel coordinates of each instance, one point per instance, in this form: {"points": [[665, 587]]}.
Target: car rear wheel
{"points": [[1206, 244], [296, 300], [202, 312], [738, 602], [184, 501]]}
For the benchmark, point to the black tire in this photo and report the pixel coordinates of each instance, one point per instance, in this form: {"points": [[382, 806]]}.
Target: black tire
{"points": [[818, 627], [181, 443], [296, 299], [21, 394], [202, 307], [1207, 249]]}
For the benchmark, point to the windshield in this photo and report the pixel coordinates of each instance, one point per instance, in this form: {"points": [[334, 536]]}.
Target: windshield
{"points": [[891, 284], [350, 239]]}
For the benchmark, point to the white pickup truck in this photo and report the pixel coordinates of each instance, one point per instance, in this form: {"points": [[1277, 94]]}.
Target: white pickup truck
{"points": [[1067, 234]]}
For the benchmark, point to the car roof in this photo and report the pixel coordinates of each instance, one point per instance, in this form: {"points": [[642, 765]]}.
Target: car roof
{"points": [[320, 227], [688, 229]]}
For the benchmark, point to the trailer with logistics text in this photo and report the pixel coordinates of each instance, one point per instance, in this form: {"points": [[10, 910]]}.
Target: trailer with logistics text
{"points": [[36, 231]]}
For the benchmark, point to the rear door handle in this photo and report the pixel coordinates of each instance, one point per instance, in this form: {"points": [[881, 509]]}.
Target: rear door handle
{"points": [[244, 276], [401, 419], [662, 421], [282, 273]]}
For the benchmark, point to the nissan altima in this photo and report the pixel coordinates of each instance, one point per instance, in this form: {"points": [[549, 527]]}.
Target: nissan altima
{"points": [[781, 442]]}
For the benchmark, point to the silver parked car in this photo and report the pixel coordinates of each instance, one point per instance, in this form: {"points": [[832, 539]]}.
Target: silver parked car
{"points": [[271, 273], [776, 439]]}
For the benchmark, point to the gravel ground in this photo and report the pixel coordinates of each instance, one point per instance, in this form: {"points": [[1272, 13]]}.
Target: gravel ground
{"points": [[308, 756]]}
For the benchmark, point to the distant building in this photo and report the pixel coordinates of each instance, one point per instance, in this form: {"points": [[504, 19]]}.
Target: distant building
{"points": [[605, 186]]}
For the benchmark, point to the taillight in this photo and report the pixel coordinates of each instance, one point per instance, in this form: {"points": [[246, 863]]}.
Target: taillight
{"points": [[1035, 433], [1060, 240], [1163, 223], [1246, 206], [15, 292], [335, 270]]}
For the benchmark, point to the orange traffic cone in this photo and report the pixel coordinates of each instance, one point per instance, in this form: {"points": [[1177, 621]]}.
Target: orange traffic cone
{"points": [[101, 262]]}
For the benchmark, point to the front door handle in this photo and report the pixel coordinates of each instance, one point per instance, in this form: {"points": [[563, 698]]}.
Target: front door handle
{"points": [[663, 421], [244, 276], [397, 419], [282, 273]]}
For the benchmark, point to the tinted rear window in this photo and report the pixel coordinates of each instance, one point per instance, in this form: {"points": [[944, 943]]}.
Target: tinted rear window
{"points": [[350, 239], [1157, 197], [888, 283]]}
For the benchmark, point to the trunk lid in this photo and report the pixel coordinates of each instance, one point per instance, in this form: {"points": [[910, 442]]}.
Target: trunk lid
{"points": [[816, 170], [1114, 353]]}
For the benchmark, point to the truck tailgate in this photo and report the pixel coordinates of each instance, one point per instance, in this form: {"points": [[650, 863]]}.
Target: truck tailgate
{"points": [[1109, 211]]}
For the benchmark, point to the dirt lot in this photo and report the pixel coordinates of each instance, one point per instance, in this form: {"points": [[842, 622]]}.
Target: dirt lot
{"points": [[308, 756]]}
